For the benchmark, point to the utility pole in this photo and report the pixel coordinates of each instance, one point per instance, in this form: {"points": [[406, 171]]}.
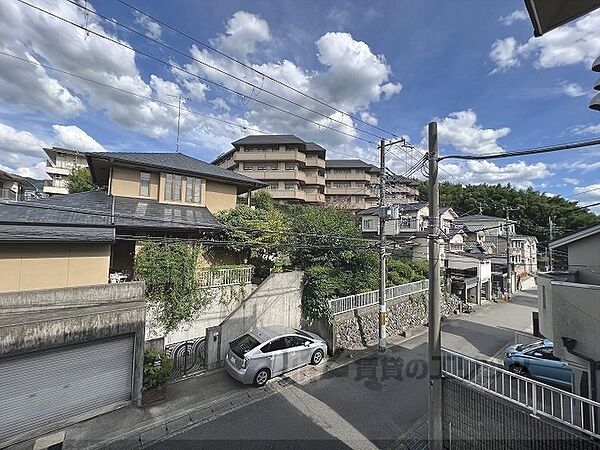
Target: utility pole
{"points": [[509, 286], [179, 98], [382, 274], [435, 431], [550, 256]]}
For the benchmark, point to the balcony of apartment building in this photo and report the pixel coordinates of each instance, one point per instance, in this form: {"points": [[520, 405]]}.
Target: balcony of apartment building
{"points": [[272, 154], [57, 186], [283, 175], [312, 161], [60, 167], [348, 176], [314, 196], [347, 188], [290, 190], [314, 177]]}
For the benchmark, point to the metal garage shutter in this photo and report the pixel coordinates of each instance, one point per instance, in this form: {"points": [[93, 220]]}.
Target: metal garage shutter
{"points": [[41, 388]]}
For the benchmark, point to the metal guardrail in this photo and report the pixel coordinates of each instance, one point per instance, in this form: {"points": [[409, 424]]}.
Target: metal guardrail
{"points": [[352, 302], [525, 338], [541, 399], [225, 277]]}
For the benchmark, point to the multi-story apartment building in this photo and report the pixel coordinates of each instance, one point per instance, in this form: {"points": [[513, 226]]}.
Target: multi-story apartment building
{"points": [[351, 183], [293, 169], [60, 163]]}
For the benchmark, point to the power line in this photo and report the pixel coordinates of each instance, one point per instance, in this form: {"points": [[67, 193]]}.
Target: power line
{"points": [[172, 66], [263, 74], [144, 97], [217, 69], [534, 151], [110, 215]]}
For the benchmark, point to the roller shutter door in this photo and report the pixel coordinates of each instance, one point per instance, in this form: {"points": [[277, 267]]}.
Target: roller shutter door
{"points": [[40, 389]]}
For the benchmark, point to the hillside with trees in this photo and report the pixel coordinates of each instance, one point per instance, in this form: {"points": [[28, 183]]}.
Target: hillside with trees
{"points": [[534, 208]]}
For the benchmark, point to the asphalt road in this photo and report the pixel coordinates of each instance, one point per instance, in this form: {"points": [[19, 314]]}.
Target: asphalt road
{"points": [[368, 404]]}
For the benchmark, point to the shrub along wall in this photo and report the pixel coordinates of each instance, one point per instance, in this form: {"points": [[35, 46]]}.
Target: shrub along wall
{"points": [[358, 329]]}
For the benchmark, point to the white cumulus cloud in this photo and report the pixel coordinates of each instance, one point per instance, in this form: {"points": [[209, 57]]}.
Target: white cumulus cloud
{"points": [[573, 43], [151, 28], [461, 130], [515, 16], [518, 174], [75, 138]]}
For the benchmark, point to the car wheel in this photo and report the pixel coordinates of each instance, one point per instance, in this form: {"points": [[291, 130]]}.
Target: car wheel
{"points": [[261, 377], [520, 370], [317, 357]]}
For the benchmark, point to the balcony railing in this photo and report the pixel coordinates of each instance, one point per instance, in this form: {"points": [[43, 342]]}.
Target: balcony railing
{"points": [[541, 399], [209, 278], [352, 302]]}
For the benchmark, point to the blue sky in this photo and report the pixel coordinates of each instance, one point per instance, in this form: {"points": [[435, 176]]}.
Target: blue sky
{"points": [[471, 65]]}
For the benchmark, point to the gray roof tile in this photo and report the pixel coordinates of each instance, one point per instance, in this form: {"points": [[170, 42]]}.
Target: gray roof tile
{"points": [[177, 162]]}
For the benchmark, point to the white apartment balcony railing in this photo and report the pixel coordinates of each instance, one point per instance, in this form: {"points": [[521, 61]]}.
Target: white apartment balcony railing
{"points": [[352, 302], [209, 278], [541, 399]]}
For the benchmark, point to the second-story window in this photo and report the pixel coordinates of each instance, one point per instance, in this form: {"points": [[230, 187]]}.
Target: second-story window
{"points": [[173, 187], [290, 166], [192, 189], [144, 184]]}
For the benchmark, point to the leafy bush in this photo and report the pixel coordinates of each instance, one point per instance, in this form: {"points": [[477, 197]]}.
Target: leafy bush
{"points": [[157, 368], [169, 273]]}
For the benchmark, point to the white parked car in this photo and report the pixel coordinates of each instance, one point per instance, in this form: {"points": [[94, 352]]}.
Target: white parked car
{"points": [[266, 352]]}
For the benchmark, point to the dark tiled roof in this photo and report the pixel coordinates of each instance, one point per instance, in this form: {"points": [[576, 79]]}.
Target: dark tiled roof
{"points": [[312, 147], [266, 139], [45, 233], [177, 162], [348, 164], [478, 217], [93, 208], [412, 207]]}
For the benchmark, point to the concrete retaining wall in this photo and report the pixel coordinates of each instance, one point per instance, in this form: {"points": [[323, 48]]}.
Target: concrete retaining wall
{"points": [[224, 300], [275, 302]]}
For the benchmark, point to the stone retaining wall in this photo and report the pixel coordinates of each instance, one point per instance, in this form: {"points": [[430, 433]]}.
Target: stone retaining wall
{"points": [[359, 328]]}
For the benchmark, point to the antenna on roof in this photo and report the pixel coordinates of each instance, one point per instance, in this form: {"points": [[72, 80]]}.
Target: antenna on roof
{"points": [[179, 98]]}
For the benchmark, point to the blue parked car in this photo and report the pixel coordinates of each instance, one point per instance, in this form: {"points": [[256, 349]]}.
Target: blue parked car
{"points": [[538, 361]]}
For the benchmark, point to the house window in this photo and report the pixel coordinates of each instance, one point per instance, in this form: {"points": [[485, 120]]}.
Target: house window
{"points": [[248, 167], [173, 187], [273, 186], [192, 189], [144, 184], [368, 224], [290, 166], [290, 186]]}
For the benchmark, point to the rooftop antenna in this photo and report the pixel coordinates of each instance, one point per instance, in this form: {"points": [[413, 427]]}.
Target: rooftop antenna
{"points": [[179, 98]]}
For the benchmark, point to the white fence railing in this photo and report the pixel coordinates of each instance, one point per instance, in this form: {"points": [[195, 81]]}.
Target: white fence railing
{"points": [[351, 302], [225, 277], [541, 399]]}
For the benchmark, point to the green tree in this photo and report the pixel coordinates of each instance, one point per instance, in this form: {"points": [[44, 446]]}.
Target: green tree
{"points": [[321, 234], [80, 180], [533, 211]]}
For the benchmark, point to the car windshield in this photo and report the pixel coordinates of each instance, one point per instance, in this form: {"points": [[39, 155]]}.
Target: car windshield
{"points": [[531, 346], [243, 345]]}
